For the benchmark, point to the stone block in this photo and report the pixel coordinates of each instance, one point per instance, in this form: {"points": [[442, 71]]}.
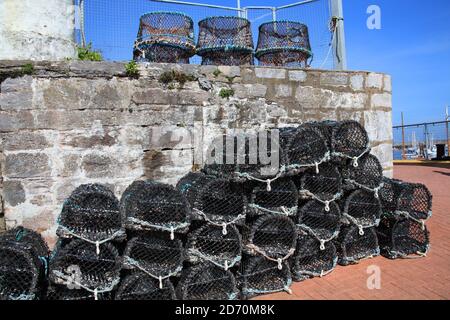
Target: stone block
{"points": [[25, 140], [335, 79], [249, 91], [297, 75], [357, 82], [13, 121], [374, 80], [381, 100], [270, 73], [13, 192], [27, 165], [283, 90], [378, 125], [16, 93]]}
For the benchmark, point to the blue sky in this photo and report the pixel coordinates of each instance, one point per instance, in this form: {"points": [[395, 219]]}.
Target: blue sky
{"points": [[413, 45]]}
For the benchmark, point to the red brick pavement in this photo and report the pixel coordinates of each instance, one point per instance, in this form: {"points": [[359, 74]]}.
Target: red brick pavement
{"points": [[425, 278]]}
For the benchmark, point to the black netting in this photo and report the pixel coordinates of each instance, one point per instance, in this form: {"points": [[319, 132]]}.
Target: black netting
{"points": [[368, 174], [79, 264], [62, 292], [258, 275], [23, 263], [209, 243], [217, 164], [389, 194], [166, 37], [273, 236], [141, 286], [92, 214], [314, 219], [352, 246], [283, 43], [225, 41], [401, 237], [362, 209], [149, 205], [206, 281], [349, 139], [282, 198], [310, 260]]}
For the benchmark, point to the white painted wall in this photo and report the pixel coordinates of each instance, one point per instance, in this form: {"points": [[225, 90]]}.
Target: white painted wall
{"points": [[37, 29]]}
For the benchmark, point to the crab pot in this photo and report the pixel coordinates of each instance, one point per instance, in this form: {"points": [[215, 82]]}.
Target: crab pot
{"points": [[166, 37], [362, 209], [92, 213], [324, 185], [310, 260], [62, 292], [352, 246], [206, 281], [349, 139], [314, 219], [368, 174], [189, 184], [157, 256], [149, 205], [283, 44], [141, 286], [225, 40], [219, 162], [258, 275], [209, 244], [282, 198], [80, 264], [23, 262], [400, 237], [272, 236]]}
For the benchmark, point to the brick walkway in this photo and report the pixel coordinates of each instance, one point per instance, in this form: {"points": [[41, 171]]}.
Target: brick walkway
{"points": [[426, 278]]}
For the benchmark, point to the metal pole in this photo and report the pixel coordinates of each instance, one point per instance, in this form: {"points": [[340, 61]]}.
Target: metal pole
{"points": [[82, 29], [447, 117], [340, 55], [274, 14], [239, 8], [426, 142], [403, 140]]}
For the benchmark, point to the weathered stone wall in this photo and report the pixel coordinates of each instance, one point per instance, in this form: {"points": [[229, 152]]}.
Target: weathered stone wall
{"points": [[79, 122]]}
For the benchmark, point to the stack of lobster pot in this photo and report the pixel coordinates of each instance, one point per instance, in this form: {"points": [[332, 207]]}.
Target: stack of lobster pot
{"points": [[86, 263]]}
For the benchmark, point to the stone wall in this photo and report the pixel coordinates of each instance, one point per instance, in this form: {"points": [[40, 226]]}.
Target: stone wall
{"points": [[78, 122]]}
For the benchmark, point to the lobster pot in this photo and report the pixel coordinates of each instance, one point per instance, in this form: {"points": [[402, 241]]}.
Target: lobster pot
{"points": [[62, 292], [218, 164], [349, 139], [352, 246], [81, 265], [209, 243], [388, 195], [283, 44], [282, 198], [189, 184], [310, 260], [91, 213], [207, 281], [314, 219], [166, 37], [401, 237], [258, 276], [272, 236], [368, 174], [302, 148], [324, 185], [157, 256], [141, 286], [362, 209], [225, 40], [150, 205], [23, 262]]}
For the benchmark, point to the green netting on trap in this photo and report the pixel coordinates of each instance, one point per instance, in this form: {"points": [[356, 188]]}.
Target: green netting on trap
{"points": [[353, 247], [207, 281], [368, 175], [23, 264], [156, 255], [91, 213], [141, 286], [208, 243], [361, 209], [283, 43], [62, 292], [149, 205], [400, 237], [310, 260], [225, 40], [166, 37]]}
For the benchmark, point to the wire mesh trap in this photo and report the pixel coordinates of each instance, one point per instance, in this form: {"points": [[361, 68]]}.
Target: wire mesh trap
{"points": [[368, 175], [149, 205], [78, 265], [281, 199], [258, 276], [271, 236], [400, 237], [91, 213], [315, 220], [283, 43], [208, 243], [225, 40], [62, 292], [141, 286], [362, 209], [155, 255], [353, 247], [349, 140], [166, 37], [223, 154], [207, 281], [23, 263], [310, 260]]}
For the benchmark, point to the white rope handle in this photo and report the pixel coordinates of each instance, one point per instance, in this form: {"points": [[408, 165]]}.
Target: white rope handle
{"points": [[279, 261], [224, 225], [160, 278], [284, 211], [307, 193]]}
